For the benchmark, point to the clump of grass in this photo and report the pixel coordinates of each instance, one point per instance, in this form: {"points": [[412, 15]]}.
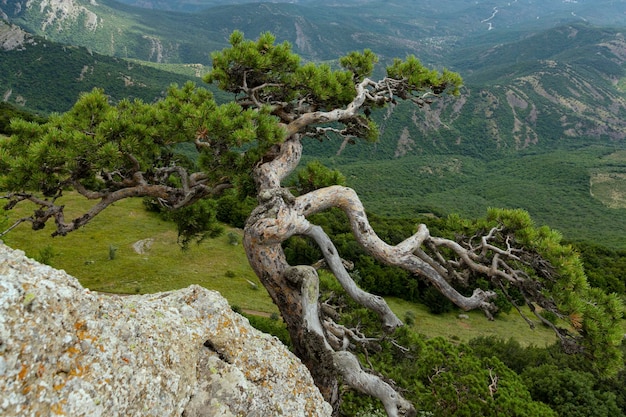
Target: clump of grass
{"points": [[45, 255], [233, 238], [409, 318], [112, 252]]}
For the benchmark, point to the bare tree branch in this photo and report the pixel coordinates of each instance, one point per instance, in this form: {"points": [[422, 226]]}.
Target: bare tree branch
{"points": [[401, 255], [173, 197], [373, 302], [346, 363]]}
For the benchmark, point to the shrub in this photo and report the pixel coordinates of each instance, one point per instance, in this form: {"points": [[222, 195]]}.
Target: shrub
{"points": [[436, 302], [233, 238], [45, 255], [112, 252]]}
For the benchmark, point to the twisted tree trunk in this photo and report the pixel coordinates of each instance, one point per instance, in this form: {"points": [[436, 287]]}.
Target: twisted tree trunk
{"points": [[272, 222], [319, 341], [295, 290]]}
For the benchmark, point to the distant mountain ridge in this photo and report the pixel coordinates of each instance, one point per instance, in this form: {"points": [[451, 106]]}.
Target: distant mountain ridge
{"points": [[568, 95], [319, 30], [566, 83], [528, 82]]}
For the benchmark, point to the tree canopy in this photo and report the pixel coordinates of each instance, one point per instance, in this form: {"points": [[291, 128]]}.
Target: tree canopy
{"points": [[107, 152]]}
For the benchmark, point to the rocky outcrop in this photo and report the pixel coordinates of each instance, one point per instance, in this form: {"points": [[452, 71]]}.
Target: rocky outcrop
{"points": [[65, 350], [13, 37]]}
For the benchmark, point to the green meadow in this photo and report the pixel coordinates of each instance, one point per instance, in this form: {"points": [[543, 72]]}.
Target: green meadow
{"points": [[102, 257]]}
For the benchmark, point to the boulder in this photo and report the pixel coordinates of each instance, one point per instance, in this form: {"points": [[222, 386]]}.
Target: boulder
{"points": [[65, 350]]}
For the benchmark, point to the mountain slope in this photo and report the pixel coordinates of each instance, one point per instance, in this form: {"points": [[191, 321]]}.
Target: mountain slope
{"points": [[560, 85], [322, 30], [523, 87], [151, 35], [44, 76], [569, 95]]}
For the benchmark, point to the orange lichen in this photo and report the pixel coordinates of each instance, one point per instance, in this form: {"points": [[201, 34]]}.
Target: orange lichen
{"points": [[73, 350], [82, 333], [79, 370], [40, 370], [57, 408], [23, 371]]}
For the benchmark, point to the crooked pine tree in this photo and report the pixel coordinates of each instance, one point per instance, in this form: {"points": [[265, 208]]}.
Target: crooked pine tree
{"points": [[110, 152]]}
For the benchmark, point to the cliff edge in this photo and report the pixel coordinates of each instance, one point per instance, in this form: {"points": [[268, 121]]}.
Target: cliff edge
{"points": [[65, 350]]}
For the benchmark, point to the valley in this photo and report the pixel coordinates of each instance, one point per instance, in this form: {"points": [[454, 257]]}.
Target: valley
{"points": [[578, 192], [537, 93], [539, 124]]}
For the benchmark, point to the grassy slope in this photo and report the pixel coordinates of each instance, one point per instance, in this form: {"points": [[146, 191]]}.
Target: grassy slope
{"points": [[450, 326], [85, 254]]}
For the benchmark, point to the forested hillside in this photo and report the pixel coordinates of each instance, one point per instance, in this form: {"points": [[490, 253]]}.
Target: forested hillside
{"points": [[535, 76], [539, 123], [44, 76], [318, 30]]}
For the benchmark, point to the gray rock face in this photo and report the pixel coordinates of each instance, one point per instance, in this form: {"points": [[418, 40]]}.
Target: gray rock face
{"points": [[67, 351], [12, 37]]}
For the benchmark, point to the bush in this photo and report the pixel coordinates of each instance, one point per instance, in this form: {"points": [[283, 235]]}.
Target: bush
{"points": [[409, 318], [233, 238], [112, 252], [267, 325], [45, 255], [570, 393], [436, 302]]}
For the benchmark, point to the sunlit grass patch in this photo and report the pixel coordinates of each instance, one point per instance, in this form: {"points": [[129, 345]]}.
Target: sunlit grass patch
{"points": [[215, 264], [609, 188], [452, 327]]}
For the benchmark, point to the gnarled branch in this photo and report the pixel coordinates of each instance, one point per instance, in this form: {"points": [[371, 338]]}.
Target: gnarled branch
{"points": [[401, 255], [345, 362]]}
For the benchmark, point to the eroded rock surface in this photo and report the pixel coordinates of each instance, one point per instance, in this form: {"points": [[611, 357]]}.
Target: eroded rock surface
{"points": [[67, 351]]}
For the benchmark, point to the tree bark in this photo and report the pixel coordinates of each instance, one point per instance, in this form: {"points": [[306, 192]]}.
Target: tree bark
{"points": [[294, 289]]}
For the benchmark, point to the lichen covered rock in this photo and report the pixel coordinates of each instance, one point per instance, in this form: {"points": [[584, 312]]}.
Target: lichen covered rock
{"points": [[65, 350]]}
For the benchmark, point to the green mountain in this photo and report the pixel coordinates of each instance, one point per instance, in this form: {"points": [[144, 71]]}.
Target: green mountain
{"points": [[560, 88], [540, 123], [322, 30], [526, 85], [317, 33], [44, 76]]}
